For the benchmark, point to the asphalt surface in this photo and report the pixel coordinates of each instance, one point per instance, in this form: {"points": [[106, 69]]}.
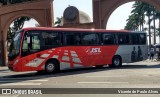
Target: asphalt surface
{"points": [[98, 81]]}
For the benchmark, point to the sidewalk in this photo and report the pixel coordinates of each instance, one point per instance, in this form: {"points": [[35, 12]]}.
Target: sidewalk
{"points": [[152, 62], [3, 68]]}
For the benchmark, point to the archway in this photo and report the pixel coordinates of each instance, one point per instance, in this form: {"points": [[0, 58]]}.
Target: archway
{"points": [[102, 9], [41, 10], [17, 24], [18, 16], [118, 19]]}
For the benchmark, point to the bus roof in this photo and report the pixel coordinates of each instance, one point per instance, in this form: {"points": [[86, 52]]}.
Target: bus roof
{"points": [[74, 29]]}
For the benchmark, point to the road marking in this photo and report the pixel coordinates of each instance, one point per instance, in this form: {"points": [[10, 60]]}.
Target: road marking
{"points": [[20, 84], [105, 76], [5, 81], [10, 96], [38, 80], [101, 82], [27, 78]]}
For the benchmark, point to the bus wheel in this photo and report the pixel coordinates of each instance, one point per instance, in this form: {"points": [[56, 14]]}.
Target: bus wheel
{"points": [[116, 61], [51, 66]]}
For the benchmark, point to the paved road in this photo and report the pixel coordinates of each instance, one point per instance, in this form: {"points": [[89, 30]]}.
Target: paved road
{"points": [[136, 75]]}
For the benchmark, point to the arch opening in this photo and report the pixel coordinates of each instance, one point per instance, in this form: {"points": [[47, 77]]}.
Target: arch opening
{"points": [[18, 24], [107, 14], [40, 10], [117, 19], [143, 16]]}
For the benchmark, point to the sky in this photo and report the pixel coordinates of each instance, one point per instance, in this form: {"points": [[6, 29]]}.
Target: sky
{"points": [[116, 21], [118, 18]]}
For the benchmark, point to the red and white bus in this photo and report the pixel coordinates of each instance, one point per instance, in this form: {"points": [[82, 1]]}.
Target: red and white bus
{"points": [[54, 49]]}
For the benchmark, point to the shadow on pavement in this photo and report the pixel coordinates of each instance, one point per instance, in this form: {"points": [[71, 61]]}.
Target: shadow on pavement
{"points": [[140, 66], [3, 70], [34, 75]]}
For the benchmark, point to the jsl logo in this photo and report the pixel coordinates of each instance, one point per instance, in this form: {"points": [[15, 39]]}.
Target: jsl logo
{"points": [[96, 50], [93, 50]]}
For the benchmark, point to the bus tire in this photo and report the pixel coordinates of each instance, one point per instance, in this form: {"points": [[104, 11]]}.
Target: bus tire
{"points": [[51, 66], [116, 62]]}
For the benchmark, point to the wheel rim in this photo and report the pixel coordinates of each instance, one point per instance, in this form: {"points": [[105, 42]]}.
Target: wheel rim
{"points": [[50, 67], [116, 61]]}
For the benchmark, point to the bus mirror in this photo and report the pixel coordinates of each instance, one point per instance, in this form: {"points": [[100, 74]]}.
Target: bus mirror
{"points": [[28, 39]]}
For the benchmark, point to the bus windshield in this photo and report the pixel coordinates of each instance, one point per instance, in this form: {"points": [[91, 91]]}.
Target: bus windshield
{"points": [[15, 46]]}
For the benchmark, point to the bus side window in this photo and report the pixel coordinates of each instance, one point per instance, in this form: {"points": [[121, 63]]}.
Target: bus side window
{"points": [[124, 39], [121, 39], [90, 39], [35, 43], [135, 39], [50, 39], [77, 39], [25, 44], [31, 43], [142, 38], [108, 39], [72, 38], [127, 39]]}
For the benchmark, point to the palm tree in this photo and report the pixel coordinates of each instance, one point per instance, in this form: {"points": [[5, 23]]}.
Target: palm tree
{"points": [[157, 16], [154, 18], [148, 14], [158, 33], [5, 2], [58, 21], [137, 15], [131, 23], [138, 12]]}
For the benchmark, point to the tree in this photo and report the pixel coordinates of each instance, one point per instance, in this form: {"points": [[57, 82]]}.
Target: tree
{"points": [[157, 16], [158, 29], [132, 24], [5, 2], [137, 17], [58, 21], [17, 25], [140, 11]]}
